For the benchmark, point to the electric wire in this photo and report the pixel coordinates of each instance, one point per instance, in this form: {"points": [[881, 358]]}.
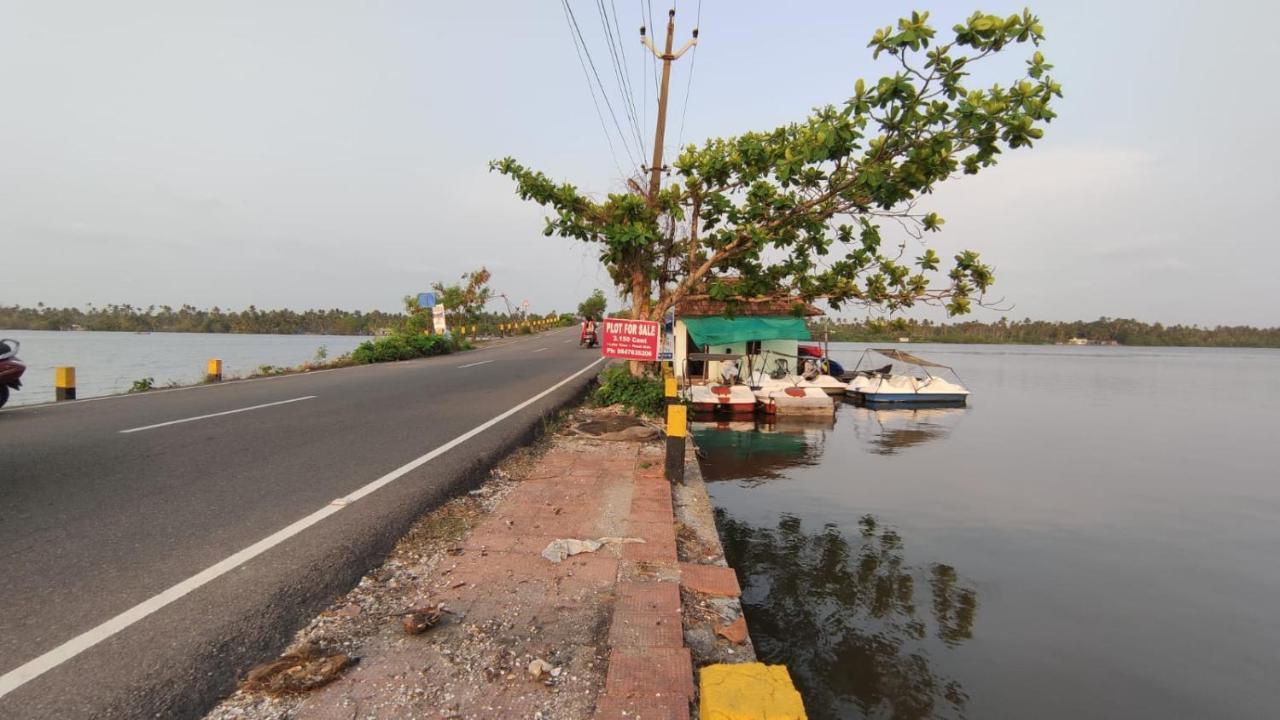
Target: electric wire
{"points": [[607, 135], [656, 43], [618, 62], [653, 60], [622, 136], [693, 61], [644, 105], [631, 92]]}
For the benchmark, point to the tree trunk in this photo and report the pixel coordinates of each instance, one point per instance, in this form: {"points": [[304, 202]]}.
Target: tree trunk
{"points": [[639, 309]]}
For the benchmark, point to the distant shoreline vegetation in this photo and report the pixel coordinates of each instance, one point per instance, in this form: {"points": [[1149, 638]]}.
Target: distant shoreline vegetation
{"points": [[188, 318], [1103, 331]]}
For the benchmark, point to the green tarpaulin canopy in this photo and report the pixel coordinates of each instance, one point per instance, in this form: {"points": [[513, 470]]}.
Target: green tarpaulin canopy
{"points": [[713, 331]]}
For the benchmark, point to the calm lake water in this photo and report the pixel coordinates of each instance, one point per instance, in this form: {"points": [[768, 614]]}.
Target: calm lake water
{"points": [[1096, 535], [109, 362]]}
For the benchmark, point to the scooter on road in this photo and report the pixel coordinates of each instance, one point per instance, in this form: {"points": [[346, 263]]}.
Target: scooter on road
{"points": [[11, 368]]}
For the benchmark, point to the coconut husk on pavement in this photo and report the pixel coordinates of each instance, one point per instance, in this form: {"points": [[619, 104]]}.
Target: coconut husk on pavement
{"points": [[296, 672]]}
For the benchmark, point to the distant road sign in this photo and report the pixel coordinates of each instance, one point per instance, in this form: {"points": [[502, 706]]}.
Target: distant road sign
{"points": [[438, 320], [426, 299], [668, 350]]}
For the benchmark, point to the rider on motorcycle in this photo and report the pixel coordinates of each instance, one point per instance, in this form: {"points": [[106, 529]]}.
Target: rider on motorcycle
{"points": [[587, 332], [11, 369]]}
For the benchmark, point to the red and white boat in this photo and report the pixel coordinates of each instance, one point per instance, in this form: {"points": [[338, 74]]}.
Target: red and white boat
{"points": [[733, 399]]}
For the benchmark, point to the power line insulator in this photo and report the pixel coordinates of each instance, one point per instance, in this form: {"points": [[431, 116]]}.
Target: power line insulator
{"points": [[695, 33], [641, 31]]}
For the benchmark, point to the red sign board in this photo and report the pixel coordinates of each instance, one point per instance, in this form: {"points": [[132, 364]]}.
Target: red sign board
{"points": [[630, 339]]}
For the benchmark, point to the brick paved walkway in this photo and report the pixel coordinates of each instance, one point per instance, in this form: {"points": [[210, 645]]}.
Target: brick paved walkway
{"points": [[609, 620]]}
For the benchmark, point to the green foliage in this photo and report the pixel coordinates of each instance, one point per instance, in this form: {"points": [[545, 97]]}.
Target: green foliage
{"points": [[464, 304], [142, 385], [593, 307], [1120, 331], [640, 394], [798, 210], [401, 347], [322, 354], [188, 318]]}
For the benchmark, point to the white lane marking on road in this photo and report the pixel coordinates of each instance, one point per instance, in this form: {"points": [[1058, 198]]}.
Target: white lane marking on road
{"points": [[217, 414], [228, 383], [33, 669], [540, 349], [482, 362]]}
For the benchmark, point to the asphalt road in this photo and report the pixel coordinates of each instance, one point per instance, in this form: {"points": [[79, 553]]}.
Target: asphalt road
{"points": [[110, 507]]}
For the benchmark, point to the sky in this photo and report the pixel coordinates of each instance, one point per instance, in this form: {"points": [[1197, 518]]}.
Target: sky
{"points": [[334, 154]]}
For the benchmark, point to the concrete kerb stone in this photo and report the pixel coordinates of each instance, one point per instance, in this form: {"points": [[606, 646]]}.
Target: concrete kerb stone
{"points": [[693, 510], [732, 685]]}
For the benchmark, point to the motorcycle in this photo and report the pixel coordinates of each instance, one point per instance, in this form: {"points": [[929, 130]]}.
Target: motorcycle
{"points": [[11, 368], [587, 338]]}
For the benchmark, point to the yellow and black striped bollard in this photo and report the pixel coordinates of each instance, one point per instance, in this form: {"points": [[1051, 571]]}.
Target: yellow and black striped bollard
{"points": [[64, 383], [676, 432], [213, 371]]}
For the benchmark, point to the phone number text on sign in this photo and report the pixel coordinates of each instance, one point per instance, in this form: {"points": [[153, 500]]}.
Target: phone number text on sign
{"points": [[630, 339]]}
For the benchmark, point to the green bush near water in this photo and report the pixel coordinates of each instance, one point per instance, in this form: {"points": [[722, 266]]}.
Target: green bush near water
{"points": [[404, 347], [640, 394]]}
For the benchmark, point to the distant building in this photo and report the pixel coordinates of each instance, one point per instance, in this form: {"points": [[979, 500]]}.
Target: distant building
{"points": [[1078, 341]]}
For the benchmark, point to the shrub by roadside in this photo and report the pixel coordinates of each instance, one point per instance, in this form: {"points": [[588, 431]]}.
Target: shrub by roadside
{"points": [[405, 347], [640, 394]]}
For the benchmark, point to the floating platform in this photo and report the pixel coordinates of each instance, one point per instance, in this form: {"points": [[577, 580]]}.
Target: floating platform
{"points": [[795, 401]]}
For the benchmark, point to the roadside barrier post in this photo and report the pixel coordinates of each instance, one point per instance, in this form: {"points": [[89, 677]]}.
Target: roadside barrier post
{"points": [[64, 383], [676, 432], [213, 372]]}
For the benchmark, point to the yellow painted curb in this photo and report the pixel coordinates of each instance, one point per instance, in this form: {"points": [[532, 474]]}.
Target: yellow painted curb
{"points": [[748, 691]]}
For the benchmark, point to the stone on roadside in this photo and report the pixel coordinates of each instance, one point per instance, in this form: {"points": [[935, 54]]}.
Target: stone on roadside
{"points": [[735, 632], [539, 667]]}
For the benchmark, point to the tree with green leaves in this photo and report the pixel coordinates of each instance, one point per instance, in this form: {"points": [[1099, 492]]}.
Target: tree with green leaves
{"points": [[463, 303], [798, 211], [593, 307]]}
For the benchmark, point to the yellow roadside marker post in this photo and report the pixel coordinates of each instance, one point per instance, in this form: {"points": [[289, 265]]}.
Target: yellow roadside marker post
{"points": [[676, 432], [64, 383], [213, 372]]}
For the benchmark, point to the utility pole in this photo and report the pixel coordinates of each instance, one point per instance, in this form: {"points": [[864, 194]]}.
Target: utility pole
{"points": [[666, 57]]}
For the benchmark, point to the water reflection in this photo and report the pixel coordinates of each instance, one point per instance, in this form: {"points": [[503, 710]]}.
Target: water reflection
{"points": [[755, 451], [887, 431], [843, 615]]}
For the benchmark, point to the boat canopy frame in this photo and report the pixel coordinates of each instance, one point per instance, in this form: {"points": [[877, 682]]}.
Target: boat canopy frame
{"points": [[908, 358]]}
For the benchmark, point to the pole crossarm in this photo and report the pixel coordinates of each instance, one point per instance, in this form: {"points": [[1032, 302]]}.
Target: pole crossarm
{"points": [[667, 57]]}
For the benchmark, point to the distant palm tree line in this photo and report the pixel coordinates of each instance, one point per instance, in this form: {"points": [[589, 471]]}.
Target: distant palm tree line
{"points": [[1103, 331], [189, 318]]}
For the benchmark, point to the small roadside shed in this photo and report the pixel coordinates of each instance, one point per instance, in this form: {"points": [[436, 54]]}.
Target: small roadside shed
{"points": [[760, 329]]}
